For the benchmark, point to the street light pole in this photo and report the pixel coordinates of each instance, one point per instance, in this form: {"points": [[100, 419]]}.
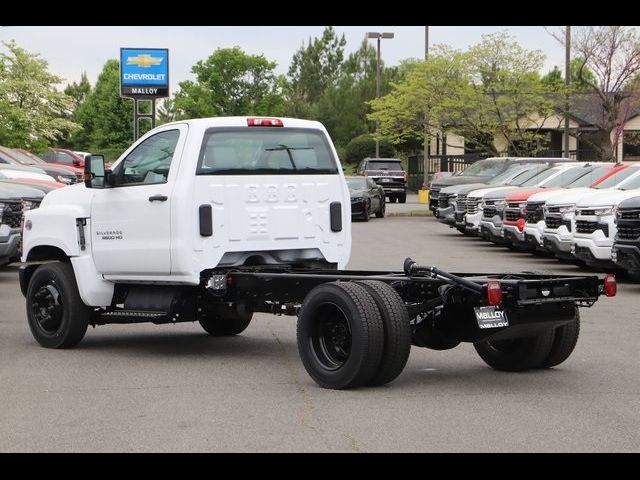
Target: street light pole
{"points": [[379, 36], [567, 82], [425, 167], [378, 94]]}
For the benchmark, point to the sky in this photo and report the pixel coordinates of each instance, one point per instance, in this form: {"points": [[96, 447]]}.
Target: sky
{"points": [[73, 50]]}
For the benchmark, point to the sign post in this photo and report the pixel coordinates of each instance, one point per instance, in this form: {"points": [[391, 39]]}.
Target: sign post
{"points": [[144, 75]]}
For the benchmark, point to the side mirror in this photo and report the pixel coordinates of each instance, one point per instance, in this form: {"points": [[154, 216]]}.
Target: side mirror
{"points": [[94, 172]]}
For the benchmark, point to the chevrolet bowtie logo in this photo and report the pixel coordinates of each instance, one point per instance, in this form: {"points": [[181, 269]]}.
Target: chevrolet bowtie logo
{"points": [[143, 60]]}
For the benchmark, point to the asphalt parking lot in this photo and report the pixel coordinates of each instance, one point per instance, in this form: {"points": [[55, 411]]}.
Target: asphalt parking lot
{"points": [[173, 388]]}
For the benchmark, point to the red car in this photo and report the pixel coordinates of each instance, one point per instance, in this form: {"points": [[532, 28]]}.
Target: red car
{"points": [[63, 157], [78, 171], [515, 214]]}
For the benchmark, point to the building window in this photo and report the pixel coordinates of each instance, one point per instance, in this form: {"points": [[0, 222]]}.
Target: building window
{"points": [[631, 145]]}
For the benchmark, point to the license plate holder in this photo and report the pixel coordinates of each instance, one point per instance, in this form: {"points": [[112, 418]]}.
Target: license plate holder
{"points": [[491, 317]]}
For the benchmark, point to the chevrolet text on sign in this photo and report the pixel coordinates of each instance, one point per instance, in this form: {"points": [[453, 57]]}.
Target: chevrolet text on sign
{"points": [[144, 72]]}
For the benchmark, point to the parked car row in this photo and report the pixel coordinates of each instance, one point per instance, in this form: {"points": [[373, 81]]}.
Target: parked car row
{"points": [[25, 178], [588, 213]]}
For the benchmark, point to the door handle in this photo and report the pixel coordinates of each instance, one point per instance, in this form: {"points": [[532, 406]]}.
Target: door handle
{"points": [[158, 198]]}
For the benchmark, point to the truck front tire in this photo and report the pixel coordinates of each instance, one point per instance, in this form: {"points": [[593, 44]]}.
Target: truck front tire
{"points": [[56, 314], [340, 335], [516, 355], [397, 331], [403, 198], [227, 321]]}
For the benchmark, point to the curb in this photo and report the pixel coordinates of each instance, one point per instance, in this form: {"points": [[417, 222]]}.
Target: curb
{"points": [[412, 213]]}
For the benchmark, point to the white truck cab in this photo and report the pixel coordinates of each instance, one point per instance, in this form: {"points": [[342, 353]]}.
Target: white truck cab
{"points": [[194, 195]]}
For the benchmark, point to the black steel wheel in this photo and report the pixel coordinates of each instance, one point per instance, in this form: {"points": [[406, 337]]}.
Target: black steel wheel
{"points": [[340, 335], [56, 314]]}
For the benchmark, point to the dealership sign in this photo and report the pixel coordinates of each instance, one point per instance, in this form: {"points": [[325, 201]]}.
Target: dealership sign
{"points": [[144, 73]]}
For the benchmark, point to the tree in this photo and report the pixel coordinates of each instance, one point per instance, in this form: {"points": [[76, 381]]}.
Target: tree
{"points": [[33, 114], [166, 111], [364, 146], [231, 82], [555, 78], [313, 69], [612, 53], [106, 118], [79, 91], [491, 95]]}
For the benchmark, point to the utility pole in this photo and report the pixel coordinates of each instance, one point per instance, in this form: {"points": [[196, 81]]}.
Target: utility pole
{"points": [[567, 82], [379, 36], [427, 137]]}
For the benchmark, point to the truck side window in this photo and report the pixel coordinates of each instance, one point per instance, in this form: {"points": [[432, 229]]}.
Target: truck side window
{"points": [[149, 162]]}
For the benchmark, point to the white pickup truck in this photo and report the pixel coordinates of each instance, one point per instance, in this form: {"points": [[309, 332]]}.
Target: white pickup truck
{"points": [[212, 220]]}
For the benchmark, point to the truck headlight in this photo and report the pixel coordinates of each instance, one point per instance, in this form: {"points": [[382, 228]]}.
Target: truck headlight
{"points": [[27, 205], [603, 211], [65, 180]]}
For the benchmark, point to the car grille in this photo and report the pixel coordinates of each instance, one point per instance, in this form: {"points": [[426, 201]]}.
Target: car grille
{"points": [[512, 214], [584, 226], [628, 224], [587, 212], [553, 221], [12, 215], [534, 212], [443, 200], [461, 204], [472, 205], [489, 211]]}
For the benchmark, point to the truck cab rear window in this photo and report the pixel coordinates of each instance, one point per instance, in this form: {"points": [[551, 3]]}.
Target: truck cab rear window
{"points": [[265, 151]]}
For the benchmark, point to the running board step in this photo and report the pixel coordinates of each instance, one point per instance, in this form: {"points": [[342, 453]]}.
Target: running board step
{"points": [[134, 316]]}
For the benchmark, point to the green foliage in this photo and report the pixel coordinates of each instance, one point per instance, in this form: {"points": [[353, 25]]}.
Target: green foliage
{"points": [[313, 69], [364, 146], [79, 91], [491, 91], [555, 78], [231, 82], [33, 114], [166, 111], [106, 118]]}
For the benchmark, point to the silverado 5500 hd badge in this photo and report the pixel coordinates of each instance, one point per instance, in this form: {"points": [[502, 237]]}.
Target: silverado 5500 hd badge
{"points": [[110, 234], [491, 317]]}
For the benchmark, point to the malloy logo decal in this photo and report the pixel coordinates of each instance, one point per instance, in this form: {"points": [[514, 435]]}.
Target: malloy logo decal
{"points": [[491, 317]]}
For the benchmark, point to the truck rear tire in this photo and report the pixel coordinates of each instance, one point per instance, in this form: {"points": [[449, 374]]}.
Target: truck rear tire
{"points": [[340, 335], [564, 342], [518, 354], [56, 314], [228, 321], [397, 331]]}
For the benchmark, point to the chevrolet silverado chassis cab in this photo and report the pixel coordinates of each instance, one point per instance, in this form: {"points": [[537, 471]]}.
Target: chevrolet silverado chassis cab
{"points": [[213, 220]]}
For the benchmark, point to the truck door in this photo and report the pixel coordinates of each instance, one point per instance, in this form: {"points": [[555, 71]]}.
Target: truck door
{"points": [[131, 222]]}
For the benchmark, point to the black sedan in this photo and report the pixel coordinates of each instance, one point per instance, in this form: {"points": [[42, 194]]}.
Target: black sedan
{"points": [[367, 198]]}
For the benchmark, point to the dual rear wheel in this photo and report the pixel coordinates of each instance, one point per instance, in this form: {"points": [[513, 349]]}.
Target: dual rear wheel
{"points": [[353, 334]]}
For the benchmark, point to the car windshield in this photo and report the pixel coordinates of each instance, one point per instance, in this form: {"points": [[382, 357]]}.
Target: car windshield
{"points": [[262, 151], [384, 165], [357, 183], [631, 183], [539, 178], [567, 177], [593, 176], [519, 179], [618, 177], [510, 174], [484, 168], [22, 158]]}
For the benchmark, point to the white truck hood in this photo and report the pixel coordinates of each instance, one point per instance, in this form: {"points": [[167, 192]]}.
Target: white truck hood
{"points": [[606, 198], [484, 191], [562, 197]]}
